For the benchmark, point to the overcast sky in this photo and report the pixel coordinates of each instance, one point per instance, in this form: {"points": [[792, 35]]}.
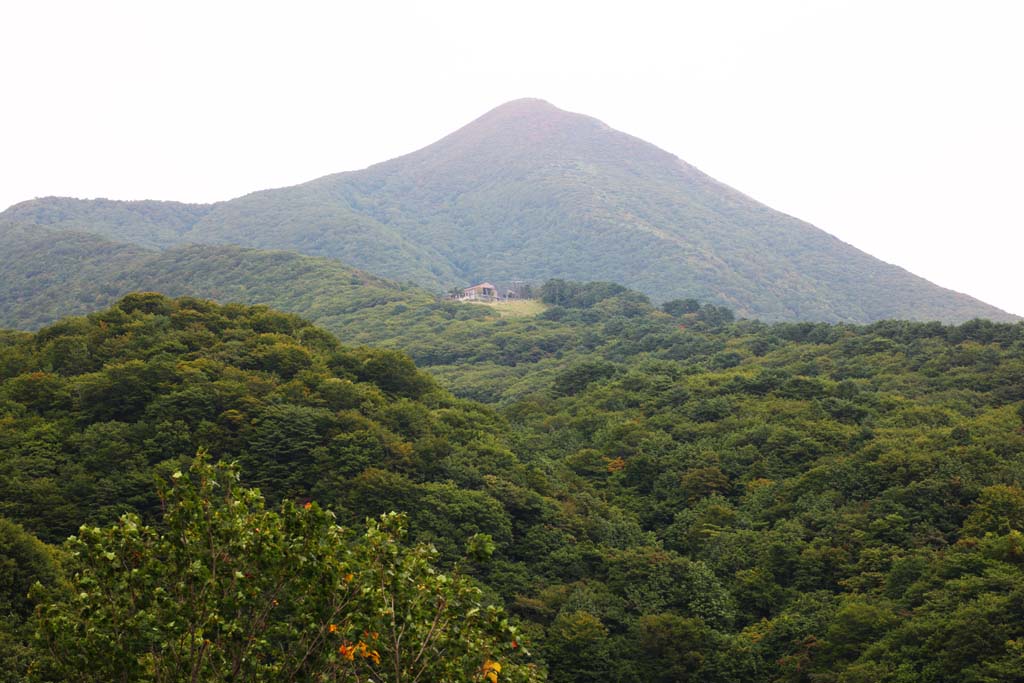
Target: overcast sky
{"points": [[896, 126]]}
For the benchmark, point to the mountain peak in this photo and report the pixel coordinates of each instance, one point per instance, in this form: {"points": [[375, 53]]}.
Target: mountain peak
{"points": [[531, 111], [526, 105], [522, 115], [531, 130]]}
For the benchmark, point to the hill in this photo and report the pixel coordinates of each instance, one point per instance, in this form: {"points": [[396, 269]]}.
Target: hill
{"points": [[476, 351], [530, 191], [691, 498], [47, 274]]}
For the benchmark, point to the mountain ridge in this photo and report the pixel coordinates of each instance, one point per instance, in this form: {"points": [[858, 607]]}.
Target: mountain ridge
{"points": [[528, 191]]}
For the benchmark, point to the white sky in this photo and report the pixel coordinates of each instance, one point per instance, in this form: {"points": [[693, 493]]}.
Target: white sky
{"points": [[897, 126]]}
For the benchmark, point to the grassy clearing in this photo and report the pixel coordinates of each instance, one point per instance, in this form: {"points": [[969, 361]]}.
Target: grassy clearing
{"points": [[524, 308]]}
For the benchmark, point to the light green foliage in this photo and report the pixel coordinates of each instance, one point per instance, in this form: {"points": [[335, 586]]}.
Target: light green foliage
{"points": [[226, 590], [517, 308], [999, 509]]}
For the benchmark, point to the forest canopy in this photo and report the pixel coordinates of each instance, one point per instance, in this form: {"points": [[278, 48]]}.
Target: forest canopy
{"points": [[670, 494]]}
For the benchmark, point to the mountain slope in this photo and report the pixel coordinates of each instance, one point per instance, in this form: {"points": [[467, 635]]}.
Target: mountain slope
{"points": [[146, 223], [47, 274], [530, 191]]}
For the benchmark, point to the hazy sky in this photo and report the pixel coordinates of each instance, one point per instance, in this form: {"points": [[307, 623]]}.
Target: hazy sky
{"points": [[896, 126]]}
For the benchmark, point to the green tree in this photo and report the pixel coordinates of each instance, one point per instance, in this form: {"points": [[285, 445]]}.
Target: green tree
{"points": [[678, 307], [672, 649], [226, 590], [999, 509], [578, 641], [24, 561]]}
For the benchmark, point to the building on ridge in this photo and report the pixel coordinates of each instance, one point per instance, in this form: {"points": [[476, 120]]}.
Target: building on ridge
{"points": [[484, 291]]}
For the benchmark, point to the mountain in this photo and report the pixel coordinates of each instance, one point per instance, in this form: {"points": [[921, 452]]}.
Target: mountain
{"points": [[529, 191]]}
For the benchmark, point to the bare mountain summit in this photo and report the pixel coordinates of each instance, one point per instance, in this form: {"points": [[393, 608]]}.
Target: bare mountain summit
{"points": [[532, 192]]}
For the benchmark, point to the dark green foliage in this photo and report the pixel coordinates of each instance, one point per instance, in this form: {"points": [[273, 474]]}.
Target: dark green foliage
{"points": [[844, 501], [24, 563], [158, 378], [677, 307], [672, 649], [671, 495], [575, 378], [579, 642], [578, 294]]}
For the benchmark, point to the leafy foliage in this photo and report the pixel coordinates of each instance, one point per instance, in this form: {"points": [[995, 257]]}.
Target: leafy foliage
{"points": [[671, 494], [93, 408], [24, 562], [225, 590]]}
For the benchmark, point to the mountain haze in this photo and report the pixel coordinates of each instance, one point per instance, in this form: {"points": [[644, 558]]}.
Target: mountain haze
{"points": [[529, 191]]}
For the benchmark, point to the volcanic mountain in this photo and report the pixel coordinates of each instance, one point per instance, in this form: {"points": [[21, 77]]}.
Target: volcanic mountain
{"points": [[531, 192]]}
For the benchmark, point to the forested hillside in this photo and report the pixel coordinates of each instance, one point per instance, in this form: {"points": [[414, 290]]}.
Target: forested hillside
{"points": [[529, 191], [671, 494], [46, 275], [95, 410]]}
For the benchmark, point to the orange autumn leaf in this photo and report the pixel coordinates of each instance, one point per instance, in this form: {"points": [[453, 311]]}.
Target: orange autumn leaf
{"points": [[491, 670]]}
